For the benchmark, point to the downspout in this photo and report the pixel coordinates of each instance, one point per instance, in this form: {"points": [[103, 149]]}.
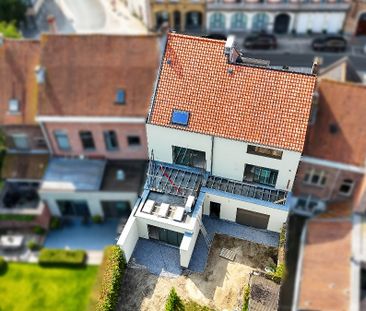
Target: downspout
{"points": [[212, 152], [45, 135], [295, 300]]}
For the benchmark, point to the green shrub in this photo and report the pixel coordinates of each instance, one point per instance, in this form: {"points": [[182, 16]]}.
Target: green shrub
{"points": [[60, 257], [55, 223], [113, 267], [279, 274], [174, 303], [97, 219], [194, 306], [246, 298], [39, 230], [11, 217], [33, 245], [283, 236], [9, 30], [3, 265]]}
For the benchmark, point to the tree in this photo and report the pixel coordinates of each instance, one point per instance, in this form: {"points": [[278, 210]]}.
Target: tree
{"points": [[12, 10], [9, 30], [174, 303]]}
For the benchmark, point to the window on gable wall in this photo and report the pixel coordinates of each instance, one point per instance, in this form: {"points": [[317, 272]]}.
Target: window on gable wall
{"points": [[111, 141], [134, 141], [87, 140], [346, 187], [120, 97], [62, 140], [315, 177]]}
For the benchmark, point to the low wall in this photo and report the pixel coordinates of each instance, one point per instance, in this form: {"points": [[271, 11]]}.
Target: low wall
{"points": [[129, 237]]}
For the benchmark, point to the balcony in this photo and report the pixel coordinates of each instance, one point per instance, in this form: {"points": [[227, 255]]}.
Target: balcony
{"points": [[285, 5]]}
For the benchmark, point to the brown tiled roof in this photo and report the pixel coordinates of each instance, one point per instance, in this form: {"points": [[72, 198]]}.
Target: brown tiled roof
{"points": [[18, 59], [84, 72], [265, 106], [342, 109], [24, 166], [325, 278]]}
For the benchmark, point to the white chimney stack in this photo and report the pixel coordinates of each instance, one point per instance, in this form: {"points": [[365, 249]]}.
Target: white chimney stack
{"points": [[230, 51], [40, 74]]}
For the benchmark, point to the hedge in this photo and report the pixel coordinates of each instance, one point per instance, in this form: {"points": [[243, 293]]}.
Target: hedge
{"points": [[3, 265], [11, 217], [113, 267], [60, 257]]}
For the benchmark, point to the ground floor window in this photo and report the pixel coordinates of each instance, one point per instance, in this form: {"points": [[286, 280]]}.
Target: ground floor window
{"points": [[189, 157], [215, 209], [164, 235], [260, 22], [217, 21], [260, 175], [73, 208], [239, 21], [116, 209]]}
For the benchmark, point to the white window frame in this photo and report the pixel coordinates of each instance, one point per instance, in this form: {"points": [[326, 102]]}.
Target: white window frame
{"points": [[13, 102], [350, 183], [311, 173]]}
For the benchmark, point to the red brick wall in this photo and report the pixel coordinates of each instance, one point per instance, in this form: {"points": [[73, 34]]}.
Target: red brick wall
{"points": [[330, 191], [122, 130]]}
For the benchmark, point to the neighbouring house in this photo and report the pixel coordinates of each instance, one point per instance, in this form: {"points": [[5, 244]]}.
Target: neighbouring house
{"points": [[342, 70], [26, 150], [88, 187], [355, 22], [280, 17], [233, 131], [181, 15], [94, 92], [332, 168]]}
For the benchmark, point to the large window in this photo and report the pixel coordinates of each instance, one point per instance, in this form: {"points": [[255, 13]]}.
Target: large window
{"points": [[239, 21], [260, 22], [20, 141], [265, 152], [346, 187], [87, 140], [62, 140], [315, 177], [189, 157], [217, 21], [110, 140], [260, 175]]}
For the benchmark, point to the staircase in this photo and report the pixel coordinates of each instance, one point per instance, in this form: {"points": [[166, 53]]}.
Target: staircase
{"points": [[205, 234]]}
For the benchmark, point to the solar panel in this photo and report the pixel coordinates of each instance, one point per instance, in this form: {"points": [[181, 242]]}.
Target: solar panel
{"points": [[180, 117], [120, 96]]}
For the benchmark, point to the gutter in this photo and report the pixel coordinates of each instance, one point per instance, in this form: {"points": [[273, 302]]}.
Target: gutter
{"points": [[295, 300]]}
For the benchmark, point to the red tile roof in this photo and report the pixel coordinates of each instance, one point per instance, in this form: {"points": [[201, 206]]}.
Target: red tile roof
{"points": [[18, 59], [325, 279], [343, 106], [260, 105], [84, 72]]}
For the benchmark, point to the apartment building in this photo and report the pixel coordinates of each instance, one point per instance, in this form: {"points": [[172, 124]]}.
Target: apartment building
{"points": [[228, 152], [26, 149], [180, 15], [280, 17]]}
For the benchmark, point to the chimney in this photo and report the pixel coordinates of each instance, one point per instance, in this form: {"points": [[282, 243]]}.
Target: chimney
{"points": [[316, 66], [40, 74], [51, 21], [230, 51]]}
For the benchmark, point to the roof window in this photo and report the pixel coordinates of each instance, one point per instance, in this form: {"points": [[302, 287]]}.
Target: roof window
{"points": [[180, 117]]}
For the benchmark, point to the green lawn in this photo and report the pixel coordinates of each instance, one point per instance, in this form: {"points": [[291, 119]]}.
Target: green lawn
{"points": [[30, 287]]}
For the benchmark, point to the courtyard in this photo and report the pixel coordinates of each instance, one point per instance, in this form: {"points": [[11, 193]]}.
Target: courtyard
{"points": [[220, 286]]}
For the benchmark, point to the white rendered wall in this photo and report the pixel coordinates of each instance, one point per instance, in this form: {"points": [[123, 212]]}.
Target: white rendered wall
{"points": [[230, 157], [161, 139], [129, 237], [187, 246], [229, 207], [140, 8], [93, 199]]}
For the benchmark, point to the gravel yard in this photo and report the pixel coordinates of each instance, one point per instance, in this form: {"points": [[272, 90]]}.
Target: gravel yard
{"points": [[220, 286]]}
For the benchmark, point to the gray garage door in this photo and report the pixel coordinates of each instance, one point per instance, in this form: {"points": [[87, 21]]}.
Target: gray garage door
{"points": [[252, 219]]}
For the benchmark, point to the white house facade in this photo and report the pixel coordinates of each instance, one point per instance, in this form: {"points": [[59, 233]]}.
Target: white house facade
{"points": [[281, 17], [217, 150]]}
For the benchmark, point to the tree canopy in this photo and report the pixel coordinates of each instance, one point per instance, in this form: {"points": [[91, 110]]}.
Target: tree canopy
{"points": [[12, 10], [9, 30]]}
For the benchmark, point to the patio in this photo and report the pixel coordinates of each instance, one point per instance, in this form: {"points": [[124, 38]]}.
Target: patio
{"points": [[75, 235], [163, 259]]}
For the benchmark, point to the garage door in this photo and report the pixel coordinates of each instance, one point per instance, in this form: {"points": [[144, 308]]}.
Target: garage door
{"points": [[252, 219]]}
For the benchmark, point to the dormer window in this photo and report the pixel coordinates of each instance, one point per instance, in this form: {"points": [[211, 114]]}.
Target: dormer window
{"points": [[180, 117], [13, 105], [120, 97]]}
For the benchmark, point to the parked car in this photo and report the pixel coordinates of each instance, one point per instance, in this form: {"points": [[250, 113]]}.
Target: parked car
{"points": [[330, 44], [260, 41], [217, 36]]}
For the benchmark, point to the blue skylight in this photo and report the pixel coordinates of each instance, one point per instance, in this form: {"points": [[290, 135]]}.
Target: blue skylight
{"points": [[120, 96], [180, 117]]}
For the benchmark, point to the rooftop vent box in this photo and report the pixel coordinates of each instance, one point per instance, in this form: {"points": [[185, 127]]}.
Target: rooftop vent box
{"points": [[40, 74], [180, 117], [120, 175]]}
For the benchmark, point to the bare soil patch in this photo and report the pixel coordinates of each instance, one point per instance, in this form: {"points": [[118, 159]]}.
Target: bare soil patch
{"points": [[220, 286]]}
